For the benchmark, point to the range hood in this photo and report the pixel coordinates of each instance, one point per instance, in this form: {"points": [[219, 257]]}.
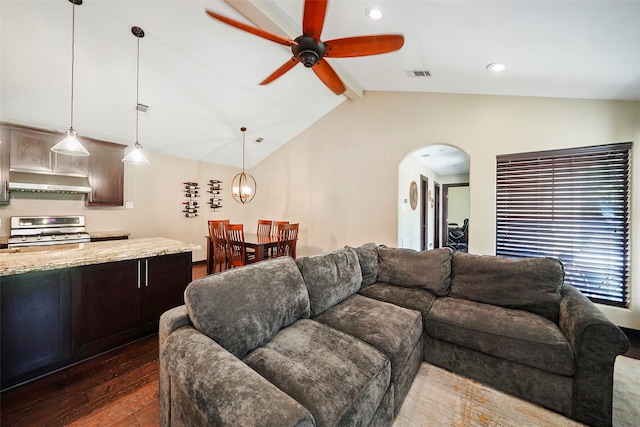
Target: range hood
{"points": [[24, 181]]}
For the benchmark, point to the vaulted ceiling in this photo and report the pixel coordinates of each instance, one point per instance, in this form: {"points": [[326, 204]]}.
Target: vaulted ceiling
{"points": [[200, 77]]}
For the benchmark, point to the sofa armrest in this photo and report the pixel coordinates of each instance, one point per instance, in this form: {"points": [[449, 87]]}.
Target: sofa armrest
{"points": [[596, 342], [221, 388], [171, 320]]}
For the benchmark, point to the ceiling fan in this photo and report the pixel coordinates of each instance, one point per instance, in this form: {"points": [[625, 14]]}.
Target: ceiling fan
{"points": [[311, 51]]}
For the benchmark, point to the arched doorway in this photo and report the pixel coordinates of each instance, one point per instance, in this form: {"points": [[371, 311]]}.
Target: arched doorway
{"points": [[434, 169]]}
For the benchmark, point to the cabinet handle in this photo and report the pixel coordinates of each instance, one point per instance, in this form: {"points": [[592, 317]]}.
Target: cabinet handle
{"points": [[5, 190], [146, 272], [138, 274]]}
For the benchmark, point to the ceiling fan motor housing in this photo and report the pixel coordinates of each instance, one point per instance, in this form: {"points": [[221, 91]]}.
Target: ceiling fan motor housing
{"points": [[308, 51]]}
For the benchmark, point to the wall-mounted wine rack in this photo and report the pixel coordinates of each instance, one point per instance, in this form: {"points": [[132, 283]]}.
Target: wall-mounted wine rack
{"points": [[190, 208], [215, 189]]}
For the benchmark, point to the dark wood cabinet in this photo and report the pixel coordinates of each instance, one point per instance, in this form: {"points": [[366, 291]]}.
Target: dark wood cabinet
{"points": [[117, 301], [106, 173], [31, 152], [106, 303], [51, 319], [35, 324], [164, 286], [28, 150], [5, 153]]}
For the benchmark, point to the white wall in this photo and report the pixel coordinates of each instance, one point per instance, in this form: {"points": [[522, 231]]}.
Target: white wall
{"points": [[339, 178], [458, 205]]}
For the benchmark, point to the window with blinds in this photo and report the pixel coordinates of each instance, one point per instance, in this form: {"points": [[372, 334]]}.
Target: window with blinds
{"points": [[572, 205]]}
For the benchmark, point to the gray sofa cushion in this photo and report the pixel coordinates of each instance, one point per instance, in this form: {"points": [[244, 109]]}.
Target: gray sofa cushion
{"points": [[412, 298], [210, 387], [338, 378], [393, 330], [515, 335], [428, 270], [368, 258], [531, 284], [330, 277], [243, 308]]}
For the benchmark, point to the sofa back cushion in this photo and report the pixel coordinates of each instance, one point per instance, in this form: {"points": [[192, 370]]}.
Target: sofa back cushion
{"points": [[330, 277], [243, 308], [368, 258], [428, 270], [531, 284]]}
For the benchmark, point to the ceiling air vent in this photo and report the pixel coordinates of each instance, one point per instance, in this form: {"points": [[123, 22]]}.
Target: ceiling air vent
{"points": [[418, 73], [142, 109]]}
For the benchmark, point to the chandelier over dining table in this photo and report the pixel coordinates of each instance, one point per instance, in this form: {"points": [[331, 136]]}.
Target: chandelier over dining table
{"points": [[243, 185]]}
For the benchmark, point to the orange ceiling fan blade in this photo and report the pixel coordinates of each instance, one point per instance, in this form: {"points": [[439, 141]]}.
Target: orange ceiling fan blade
{"points": [[280, 71], [253, 30], [363, 46], [329, 77], [313, 18]]}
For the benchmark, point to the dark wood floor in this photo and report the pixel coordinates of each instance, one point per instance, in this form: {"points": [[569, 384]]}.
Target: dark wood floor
{"points": [[119, 388]]}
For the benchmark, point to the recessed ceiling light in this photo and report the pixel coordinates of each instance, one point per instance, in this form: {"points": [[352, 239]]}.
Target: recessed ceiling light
{"points": [[373, 13], [496, 67]]}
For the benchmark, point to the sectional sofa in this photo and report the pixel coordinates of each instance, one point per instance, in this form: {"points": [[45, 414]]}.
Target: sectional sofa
{"points": [[337, 339]]}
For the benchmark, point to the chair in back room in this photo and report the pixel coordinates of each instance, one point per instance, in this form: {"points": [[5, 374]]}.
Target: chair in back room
{"points": [[236, 249], [287, 240], [214, 253]]}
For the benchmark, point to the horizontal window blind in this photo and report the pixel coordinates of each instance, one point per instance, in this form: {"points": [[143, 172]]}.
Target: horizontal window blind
{"points": [[572, 205]]}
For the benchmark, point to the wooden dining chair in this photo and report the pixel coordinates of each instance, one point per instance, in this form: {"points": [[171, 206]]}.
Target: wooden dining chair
{"points": [[236, 249], [264, 227], [274, 228], [218, 236], [213, 252], [274, 235], [287, 240]]}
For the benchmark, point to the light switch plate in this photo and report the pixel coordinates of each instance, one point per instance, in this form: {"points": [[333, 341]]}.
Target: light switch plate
{"points": [[128, 205]]}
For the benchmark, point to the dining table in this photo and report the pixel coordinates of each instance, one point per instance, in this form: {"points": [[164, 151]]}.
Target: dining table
{"points": [[259, 243]]}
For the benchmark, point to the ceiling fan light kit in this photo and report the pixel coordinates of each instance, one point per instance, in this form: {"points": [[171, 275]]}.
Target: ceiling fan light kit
{"points": [[70, 144], [310, 50]]}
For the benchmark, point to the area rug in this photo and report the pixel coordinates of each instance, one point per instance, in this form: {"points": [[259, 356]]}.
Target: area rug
{"points": [[441, 398]]}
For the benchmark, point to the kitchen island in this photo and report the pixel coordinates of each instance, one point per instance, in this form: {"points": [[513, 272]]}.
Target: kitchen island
{"points": [[62, 304]]}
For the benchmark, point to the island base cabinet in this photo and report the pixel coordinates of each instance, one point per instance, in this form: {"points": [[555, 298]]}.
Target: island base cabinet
{"points": [[55, 318], [106, 302], [117, 301], [164, 285], [35, 324]]}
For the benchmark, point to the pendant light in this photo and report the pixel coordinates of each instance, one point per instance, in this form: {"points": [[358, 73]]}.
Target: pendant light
{"points": [[70, 144], [243, 185], [136, 155]]}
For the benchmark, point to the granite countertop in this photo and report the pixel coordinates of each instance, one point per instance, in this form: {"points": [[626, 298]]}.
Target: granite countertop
{"points": [[107, 234], [24, 260]]}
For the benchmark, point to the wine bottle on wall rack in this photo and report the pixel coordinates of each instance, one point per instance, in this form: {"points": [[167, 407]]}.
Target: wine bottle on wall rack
{"points": [[191, 187], [189, 202], [190, 215], [190, 183]]}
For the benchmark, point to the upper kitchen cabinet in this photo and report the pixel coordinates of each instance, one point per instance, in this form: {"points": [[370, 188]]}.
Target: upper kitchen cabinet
{"points": [[27, 151], [106, 173], [31, 152], [4, 166]]}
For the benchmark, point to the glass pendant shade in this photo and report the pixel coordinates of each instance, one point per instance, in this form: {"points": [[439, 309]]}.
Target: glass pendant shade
{"points": [[136, 156], [70, 145], [243, 185]]}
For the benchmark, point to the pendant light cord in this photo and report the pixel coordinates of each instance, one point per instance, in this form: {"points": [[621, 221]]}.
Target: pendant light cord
{"points": [[137, 88], [73, 50], [243, 145]]}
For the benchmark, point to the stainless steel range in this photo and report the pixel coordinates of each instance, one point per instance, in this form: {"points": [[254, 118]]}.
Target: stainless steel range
{"points": [[47, 230]]}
